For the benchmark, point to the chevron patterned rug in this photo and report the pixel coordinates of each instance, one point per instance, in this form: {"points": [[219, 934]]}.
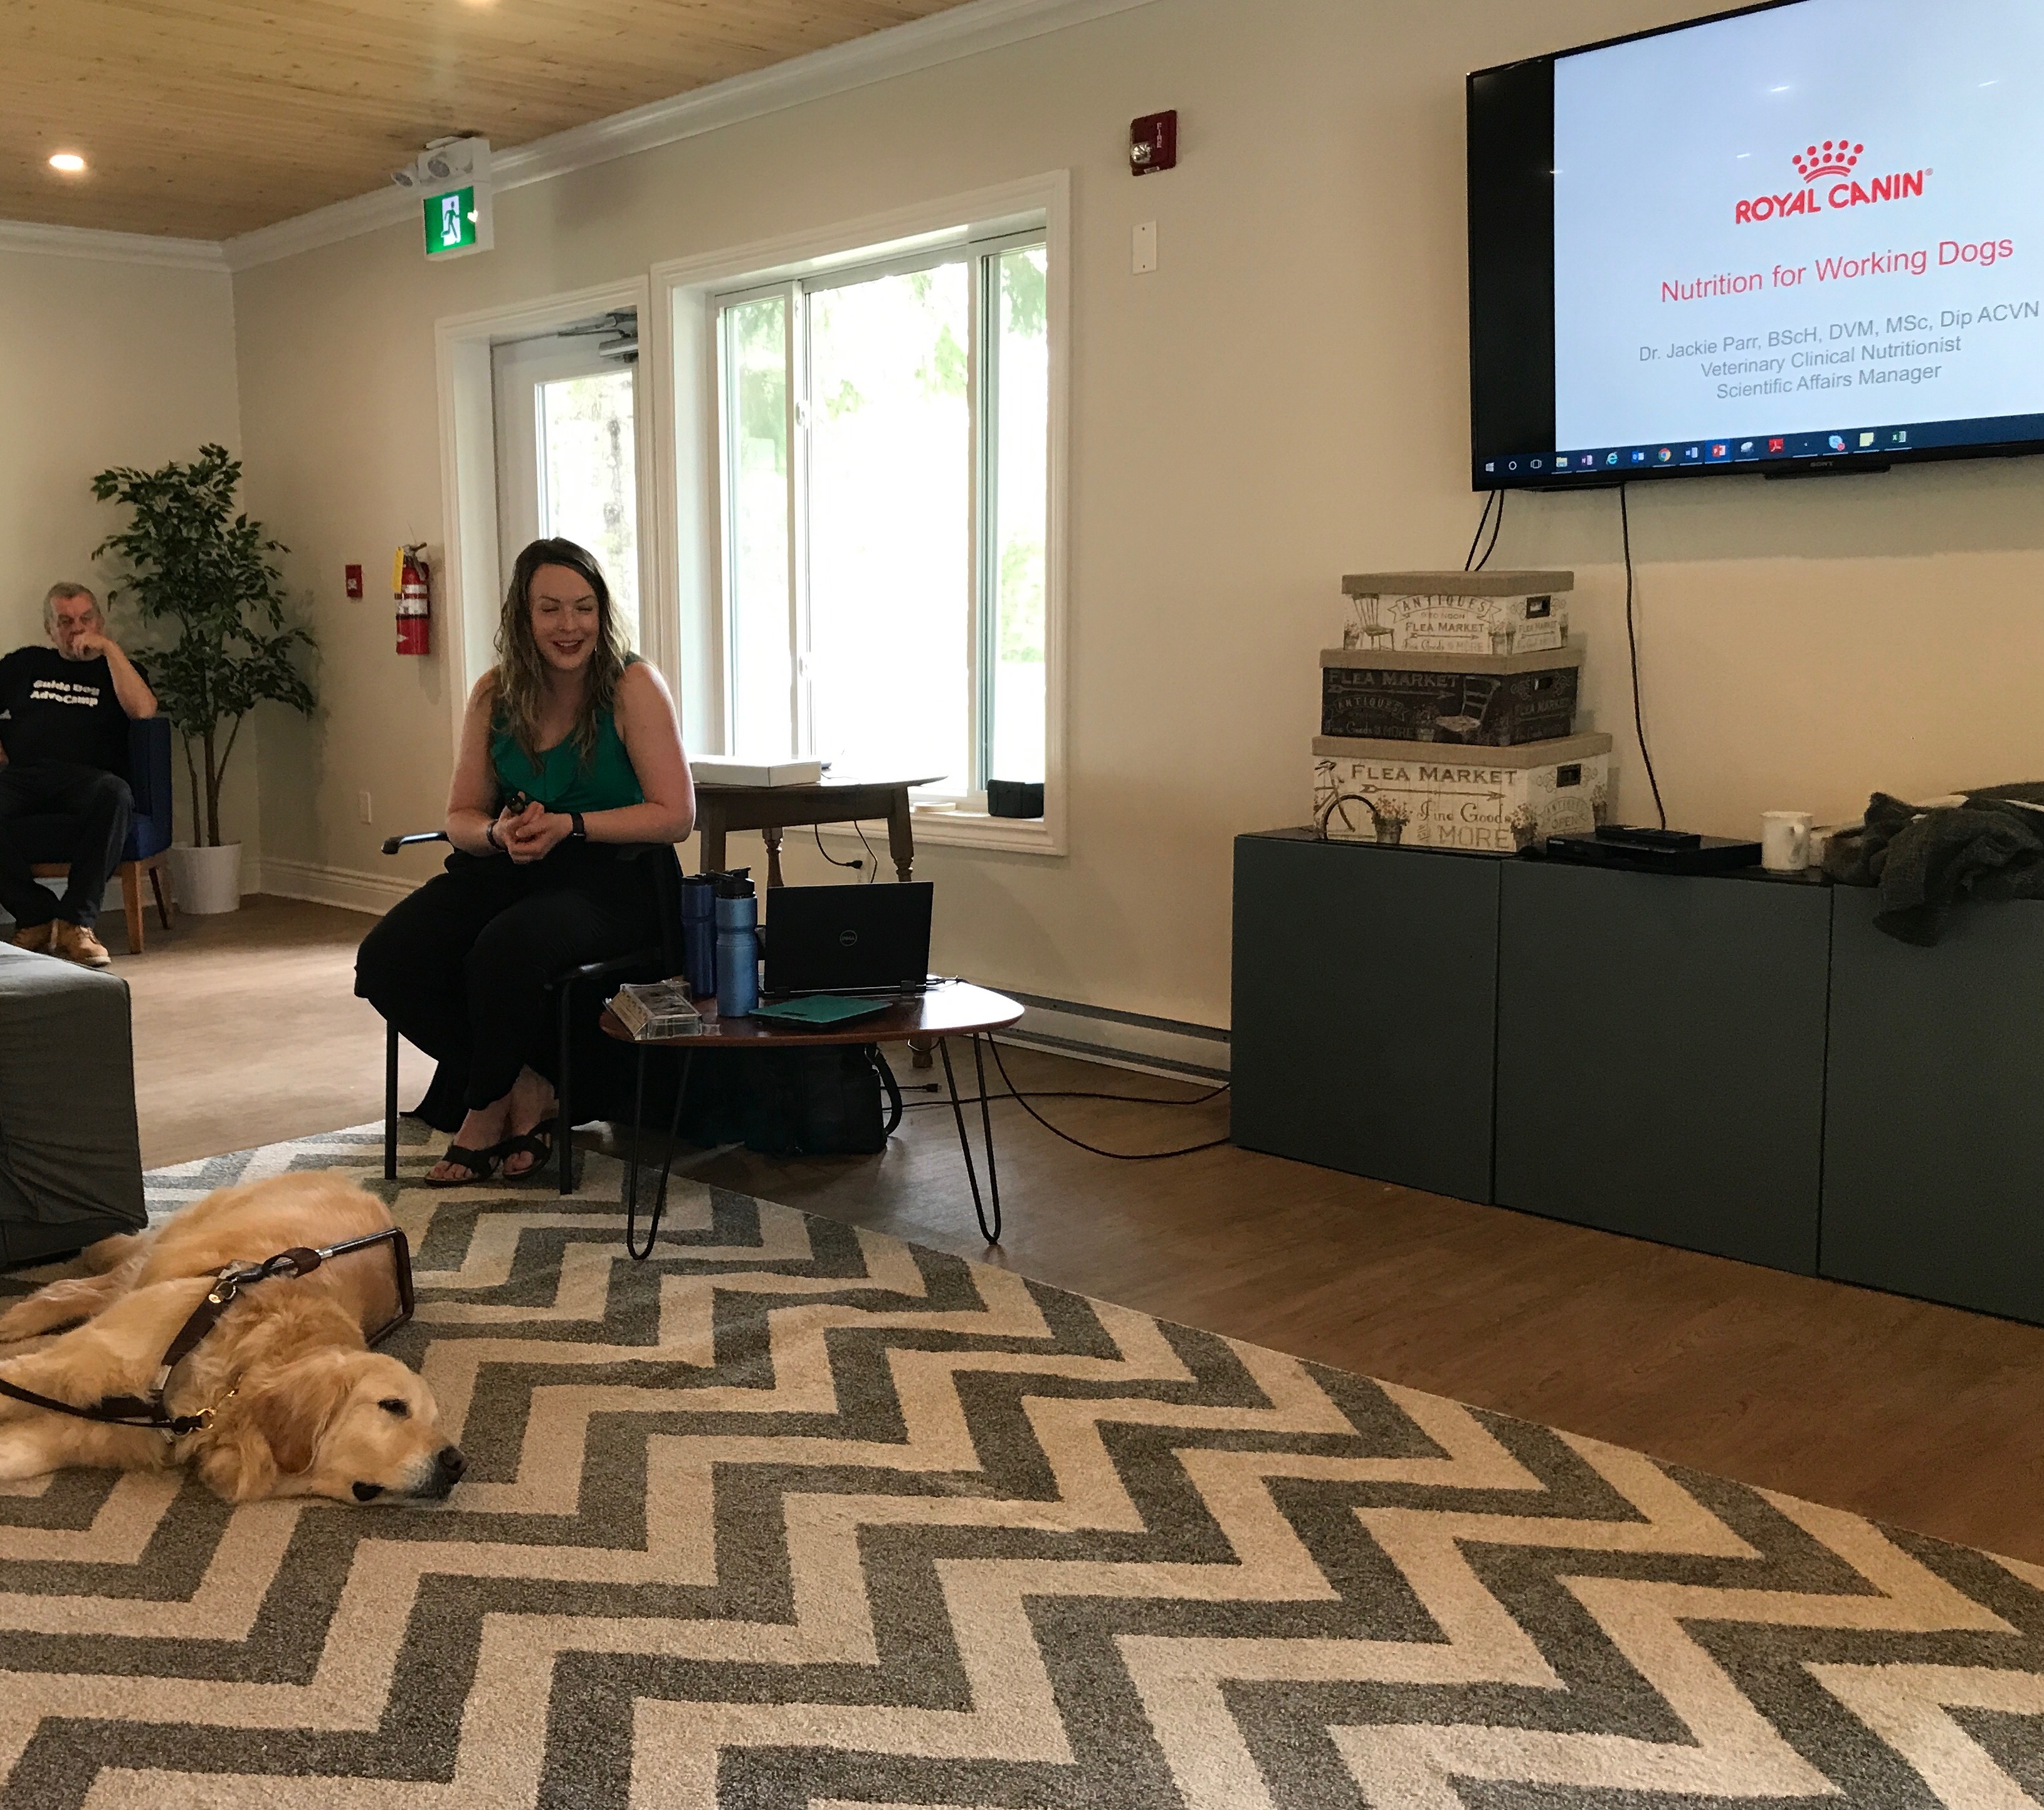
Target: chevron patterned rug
{"points": [[797, 1514]]}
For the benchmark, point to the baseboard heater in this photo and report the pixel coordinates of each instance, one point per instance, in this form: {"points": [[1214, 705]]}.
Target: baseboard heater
{"points": [[1129, 1040]]}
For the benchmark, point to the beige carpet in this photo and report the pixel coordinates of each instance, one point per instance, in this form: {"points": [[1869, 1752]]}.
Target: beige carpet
{"points": [[798, 1515]]}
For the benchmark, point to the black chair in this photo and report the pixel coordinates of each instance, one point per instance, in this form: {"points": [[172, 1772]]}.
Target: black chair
{"points": [[48, 841], [655, 961]]}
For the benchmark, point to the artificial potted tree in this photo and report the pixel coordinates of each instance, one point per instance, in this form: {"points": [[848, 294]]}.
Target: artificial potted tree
{"points": [[203, 572]]}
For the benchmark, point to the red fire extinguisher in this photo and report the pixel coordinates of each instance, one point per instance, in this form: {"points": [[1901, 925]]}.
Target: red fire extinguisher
{"points": [[411, 585]]}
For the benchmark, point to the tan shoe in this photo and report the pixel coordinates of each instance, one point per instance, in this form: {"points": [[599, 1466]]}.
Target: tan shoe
{"points": [[75, 943], [35, 937]]}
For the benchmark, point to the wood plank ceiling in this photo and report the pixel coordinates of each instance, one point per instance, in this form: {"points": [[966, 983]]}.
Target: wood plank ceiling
{"points": [[204, 118]]}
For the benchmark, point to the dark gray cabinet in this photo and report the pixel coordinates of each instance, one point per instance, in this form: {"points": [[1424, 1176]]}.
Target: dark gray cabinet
{"points": [[1366, 995], [1933, 1136], [1660, 1057], [1731, 1063]]}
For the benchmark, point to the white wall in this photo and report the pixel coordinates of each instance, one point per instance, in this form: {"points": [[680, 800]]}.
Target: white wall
{"points": [[1284, 400], [104, 363]]}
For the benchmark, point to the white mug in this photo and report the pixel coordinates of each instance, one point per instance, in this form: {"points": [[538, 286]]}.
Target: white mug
{"points": [[1784, 841]]}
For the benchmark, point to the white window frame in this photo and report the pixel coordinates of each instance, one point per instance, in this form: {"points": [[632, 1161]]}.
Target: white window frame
{"points": [[520, 370], [468, 577], [686, 293], [795, 355], [976, 254]]}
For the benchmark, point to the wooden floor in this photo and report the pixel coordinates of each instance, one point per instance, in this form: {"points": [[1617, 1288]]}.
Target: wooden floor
{"points": [[247, 1031]]}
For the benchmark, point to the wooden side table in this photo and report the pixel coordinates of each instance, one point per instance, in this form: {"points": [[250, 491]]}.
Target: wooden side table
{"points": [[949, 1009], [721, 809]]}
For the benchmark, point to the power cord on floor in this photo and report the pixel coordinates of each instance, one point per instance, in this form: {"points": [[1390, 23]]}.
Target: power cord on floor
{"points": [[1020, 1099], [1059, 1093], [1632, 647]]}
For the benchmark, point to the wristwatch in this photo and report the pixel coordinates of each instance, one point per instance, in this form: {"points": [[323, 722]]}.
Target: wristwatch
{"points": [[576, 832]]}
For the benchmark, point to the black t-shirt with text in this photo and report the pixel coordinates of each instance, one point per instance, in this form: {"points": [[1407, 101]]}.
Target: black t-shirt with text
{"points": [[55, 709]]}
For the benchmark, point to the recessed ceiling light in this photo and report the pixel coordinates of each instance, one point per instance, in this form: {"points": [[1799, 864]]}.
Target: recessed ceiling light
{"points": [[68, 161]]}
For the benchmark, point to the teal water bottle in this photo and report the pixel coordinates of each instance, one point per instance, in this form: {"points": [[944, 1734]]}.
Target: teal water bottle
{"points": [[737, 946]]}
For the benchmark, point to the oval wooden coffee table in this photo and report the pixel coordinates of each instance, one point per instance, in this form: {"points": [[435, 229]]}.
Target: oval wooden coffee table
{"points": [[950, 1008]]}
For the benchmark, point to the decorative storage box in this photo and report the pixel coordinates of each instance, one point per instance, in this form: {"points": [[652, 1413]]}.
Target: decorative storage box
{"points": [[1493, 700], [1497, 801], [1458, 612]]}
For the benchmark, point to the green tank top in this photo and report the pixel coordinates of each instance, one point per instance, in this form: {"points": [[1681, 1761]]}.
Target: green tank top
{"points": [[560, 780]]}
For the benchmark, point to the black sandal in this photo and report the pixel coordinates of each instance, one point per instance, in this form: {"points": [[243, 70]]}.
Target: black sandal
{"points": [[537, 1143], [482, 1165]]}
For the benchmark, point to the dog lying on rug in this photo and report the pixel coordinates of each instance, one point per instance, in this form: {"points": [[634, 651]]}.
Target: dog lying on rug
{"points": [[280, 1396]]}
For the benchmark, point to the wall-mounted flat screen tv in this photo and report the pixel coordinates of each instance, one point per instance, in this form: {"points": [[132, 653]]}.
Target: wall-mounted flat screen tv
{"points": [[1803, 237]]}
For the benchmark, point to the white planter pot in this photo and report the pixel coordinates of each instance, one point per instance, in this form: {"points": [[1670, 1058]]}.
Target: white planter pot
{"points": [[206, 880]]}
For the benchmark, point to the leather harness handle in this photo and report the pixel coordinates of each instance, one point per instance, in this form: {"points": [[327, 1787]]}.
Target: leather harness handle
{"points": [[151, 1414]]}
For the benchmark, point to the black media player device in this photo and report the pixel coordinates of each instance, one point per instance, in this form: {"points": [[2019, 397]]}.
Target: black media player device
{"points": [[1654, 851]]}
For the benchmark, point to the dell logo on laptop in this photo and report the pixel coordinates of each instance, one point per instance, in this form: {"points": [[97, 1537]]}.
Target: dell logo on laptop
{"points": [[848, 939]]}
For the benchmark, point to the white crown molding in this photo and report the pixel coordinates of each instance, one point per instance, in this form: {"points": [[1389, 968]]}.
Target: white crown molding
{"points": [[960, 32], [110, 248]]}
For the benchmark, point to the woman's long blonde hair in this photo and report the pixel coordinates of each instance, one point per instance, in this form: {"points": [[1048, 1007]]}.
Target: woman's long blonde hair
{"points": [[521, 667]]}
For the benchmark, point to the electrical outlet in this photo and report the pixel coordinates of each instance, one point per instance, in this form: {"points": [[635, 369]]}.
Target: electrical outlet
{"points": [[363, 807]]}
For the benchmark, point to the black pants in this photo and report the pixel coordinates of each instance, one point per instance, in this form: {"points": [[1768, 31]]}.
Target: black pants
{"points": [[101, 803], [461, 967]]}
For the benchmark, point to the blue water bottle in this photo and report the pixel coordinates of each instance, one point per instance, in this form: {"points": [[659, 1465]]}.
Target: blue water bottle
{"points": [[699, 934], [737, 946]]}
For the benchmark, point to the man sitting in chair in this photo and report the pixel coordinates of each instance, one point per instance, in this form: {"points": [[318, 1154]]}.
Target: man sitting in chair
{"points": [[64, 723]]}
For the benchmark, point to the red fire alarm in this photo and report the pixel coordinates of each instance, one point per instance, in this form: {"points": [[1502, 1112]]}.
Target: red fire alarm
{"points": [[1153, 143], [355, 581]]}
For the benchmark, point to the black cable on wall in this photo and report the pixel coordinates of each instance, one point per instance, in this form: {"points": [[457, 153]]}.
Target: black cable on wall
{"points": [[1632, 647], [1490, 498], [1496, 524]]}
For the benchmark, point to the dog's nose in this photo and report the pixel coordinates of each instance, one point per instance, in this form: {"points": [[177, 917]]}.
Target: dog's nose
{"points": [[448, 1463]]}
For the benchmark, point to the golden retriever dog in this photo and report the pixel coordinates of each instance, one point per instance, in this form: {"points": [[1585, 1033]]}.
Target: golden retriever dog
{"points": [[302, 1406]]}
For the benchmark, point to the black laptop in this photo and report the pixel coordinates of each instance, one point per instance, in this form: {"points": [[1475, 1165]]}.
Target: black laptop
{"points": [[848, 939]]}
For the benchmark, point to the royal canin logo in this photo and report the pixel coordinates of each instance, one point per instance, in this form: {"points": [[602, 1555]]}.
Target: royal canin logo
{"points": [[1836, 158]]}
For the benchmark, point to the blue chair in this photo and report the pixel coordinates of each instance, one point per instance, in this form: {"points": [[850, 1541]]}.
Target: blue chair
{"points": [[48, 842]]}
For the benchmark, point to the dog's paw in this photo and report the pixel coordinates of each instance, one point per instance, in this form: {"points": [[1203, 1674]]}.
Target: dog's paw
{"points": [[25, 1453], [36, 1342]]}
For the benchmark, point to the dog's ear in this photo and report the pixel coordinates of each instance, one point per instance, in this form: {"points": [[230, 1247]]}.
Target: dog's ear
{"points": [[293, 1409]]}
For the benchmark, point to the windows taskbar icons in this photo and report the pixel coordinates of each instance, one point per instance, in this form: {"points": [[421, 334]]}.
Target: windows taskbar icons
{"points": [[1607, 460]]}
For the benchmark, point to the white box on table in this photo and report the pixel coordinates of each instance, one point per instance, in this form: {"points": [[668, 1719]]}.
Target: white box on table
{"points": [[1431, 796], [721, 770]]}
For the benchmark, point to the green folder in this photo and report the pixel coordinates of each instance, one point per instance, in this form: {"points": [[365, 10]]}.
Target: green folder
{"points": [[820, 1011]]}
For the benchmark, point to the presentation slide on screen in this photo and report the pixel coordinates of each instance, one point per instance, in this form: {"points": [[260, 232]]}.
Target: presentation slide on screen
{"points": [[1823, 218]]}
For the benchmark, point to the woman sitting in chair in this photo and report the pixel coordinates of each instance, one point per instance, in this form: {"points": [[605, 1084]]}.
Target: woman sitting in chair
{"points": [[571, 765]]}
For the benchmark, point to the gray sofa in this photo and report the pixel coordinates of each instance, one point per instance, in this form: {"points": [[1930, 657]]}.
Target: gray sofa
{"points": [[71, 1159]]}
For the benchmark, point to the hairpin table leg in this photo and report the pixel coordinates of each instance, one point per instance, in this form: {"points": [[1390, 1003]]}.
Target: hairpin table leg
{"points": [[631, 1167], [390, 1104], [991, 1234]]}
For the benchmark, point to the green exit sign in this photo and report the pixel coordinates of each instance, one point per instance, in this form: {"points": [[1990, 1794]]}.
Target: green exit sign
{"points": [[456, 221]]}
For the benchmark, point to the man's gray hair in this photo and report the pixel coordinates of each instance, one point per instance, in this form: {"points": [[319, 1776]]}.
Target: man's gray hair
{"points": [[56, 594]]}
